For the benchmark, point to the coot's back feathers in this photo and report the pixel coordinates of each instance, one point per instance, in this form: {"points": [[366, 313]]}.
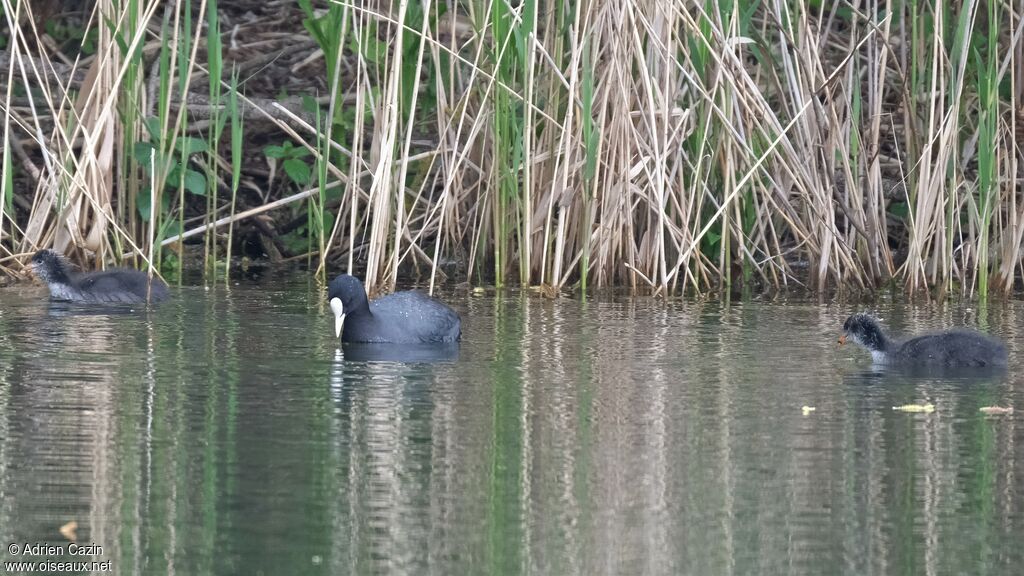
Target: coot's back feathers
{"points": [[417, 316], [956, 348], [121, 285]]}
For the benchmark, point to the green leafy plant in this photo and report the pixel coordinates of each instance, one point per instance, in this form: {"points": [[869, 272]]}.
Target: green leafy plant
{"points": [[71, 35], [300, 239], [179, 173], [293, 161]]}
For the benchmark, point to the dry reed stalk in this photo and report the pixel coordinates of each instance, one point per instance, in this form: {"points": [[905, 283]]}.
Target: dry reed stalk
{"points": [[78, 186], [732, 142]]}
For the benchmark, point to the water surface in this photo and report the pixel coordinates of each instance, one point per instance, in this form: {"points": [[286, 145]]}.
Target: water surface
{"points": [[225, 432]]}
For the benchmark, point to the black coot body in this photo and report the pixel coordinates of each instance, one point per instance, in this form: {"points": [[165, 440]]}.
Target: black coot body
{"points": [[117, 286], [399, 318], [952, 349]]}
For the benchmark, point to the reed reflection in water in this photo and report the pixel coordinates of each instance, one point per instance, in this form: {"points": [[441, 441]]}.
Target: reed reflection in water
{"points": [[227, 431]]}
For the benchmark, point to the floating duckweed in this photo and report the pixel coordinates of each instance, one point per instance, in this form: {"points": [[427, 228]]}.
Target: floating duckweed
{"points": [[915, 408]]}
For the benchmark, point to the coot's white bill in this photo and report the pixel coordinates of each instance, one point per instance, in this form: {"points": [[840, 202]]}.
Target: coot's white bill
{"points": [[339, 316]]}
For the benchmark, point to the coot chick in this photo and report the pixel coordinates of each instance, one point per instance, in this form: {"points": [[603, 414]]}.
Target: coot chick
{"points": [[952, 349], [399, 318], [116, 286]]}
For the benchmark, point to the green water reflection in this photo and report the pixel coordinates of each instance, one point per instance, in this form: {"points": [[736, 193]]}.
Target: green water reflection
{"points": [[224, 432]]}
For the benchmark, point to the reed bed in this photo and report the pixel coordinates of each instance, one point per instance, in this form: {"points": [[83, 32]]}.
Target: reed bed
{"points": [[669, 144]]}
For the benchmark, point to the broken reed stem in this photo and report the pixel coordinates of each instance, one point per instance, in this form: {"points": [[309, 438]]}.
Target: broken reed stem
{"points": [[246, 214]]}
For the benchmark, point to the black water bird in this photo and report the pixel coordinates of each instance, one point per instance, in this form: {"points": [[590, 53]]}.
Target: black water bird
{"points": [[399, 318], [950, 349], [116, 286]]}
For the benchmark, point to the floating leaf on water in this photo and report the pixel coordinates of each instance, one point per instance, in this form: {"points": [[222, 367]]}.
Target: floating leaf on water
{"points": [[70, 531], [992, 410], [478, 290], [915, 408], [808, 409]]}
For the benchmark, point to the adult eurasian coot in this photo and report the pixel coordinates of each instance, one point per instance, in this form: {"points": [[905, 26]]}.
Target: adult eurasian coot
{"points": [[399, 318]]}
